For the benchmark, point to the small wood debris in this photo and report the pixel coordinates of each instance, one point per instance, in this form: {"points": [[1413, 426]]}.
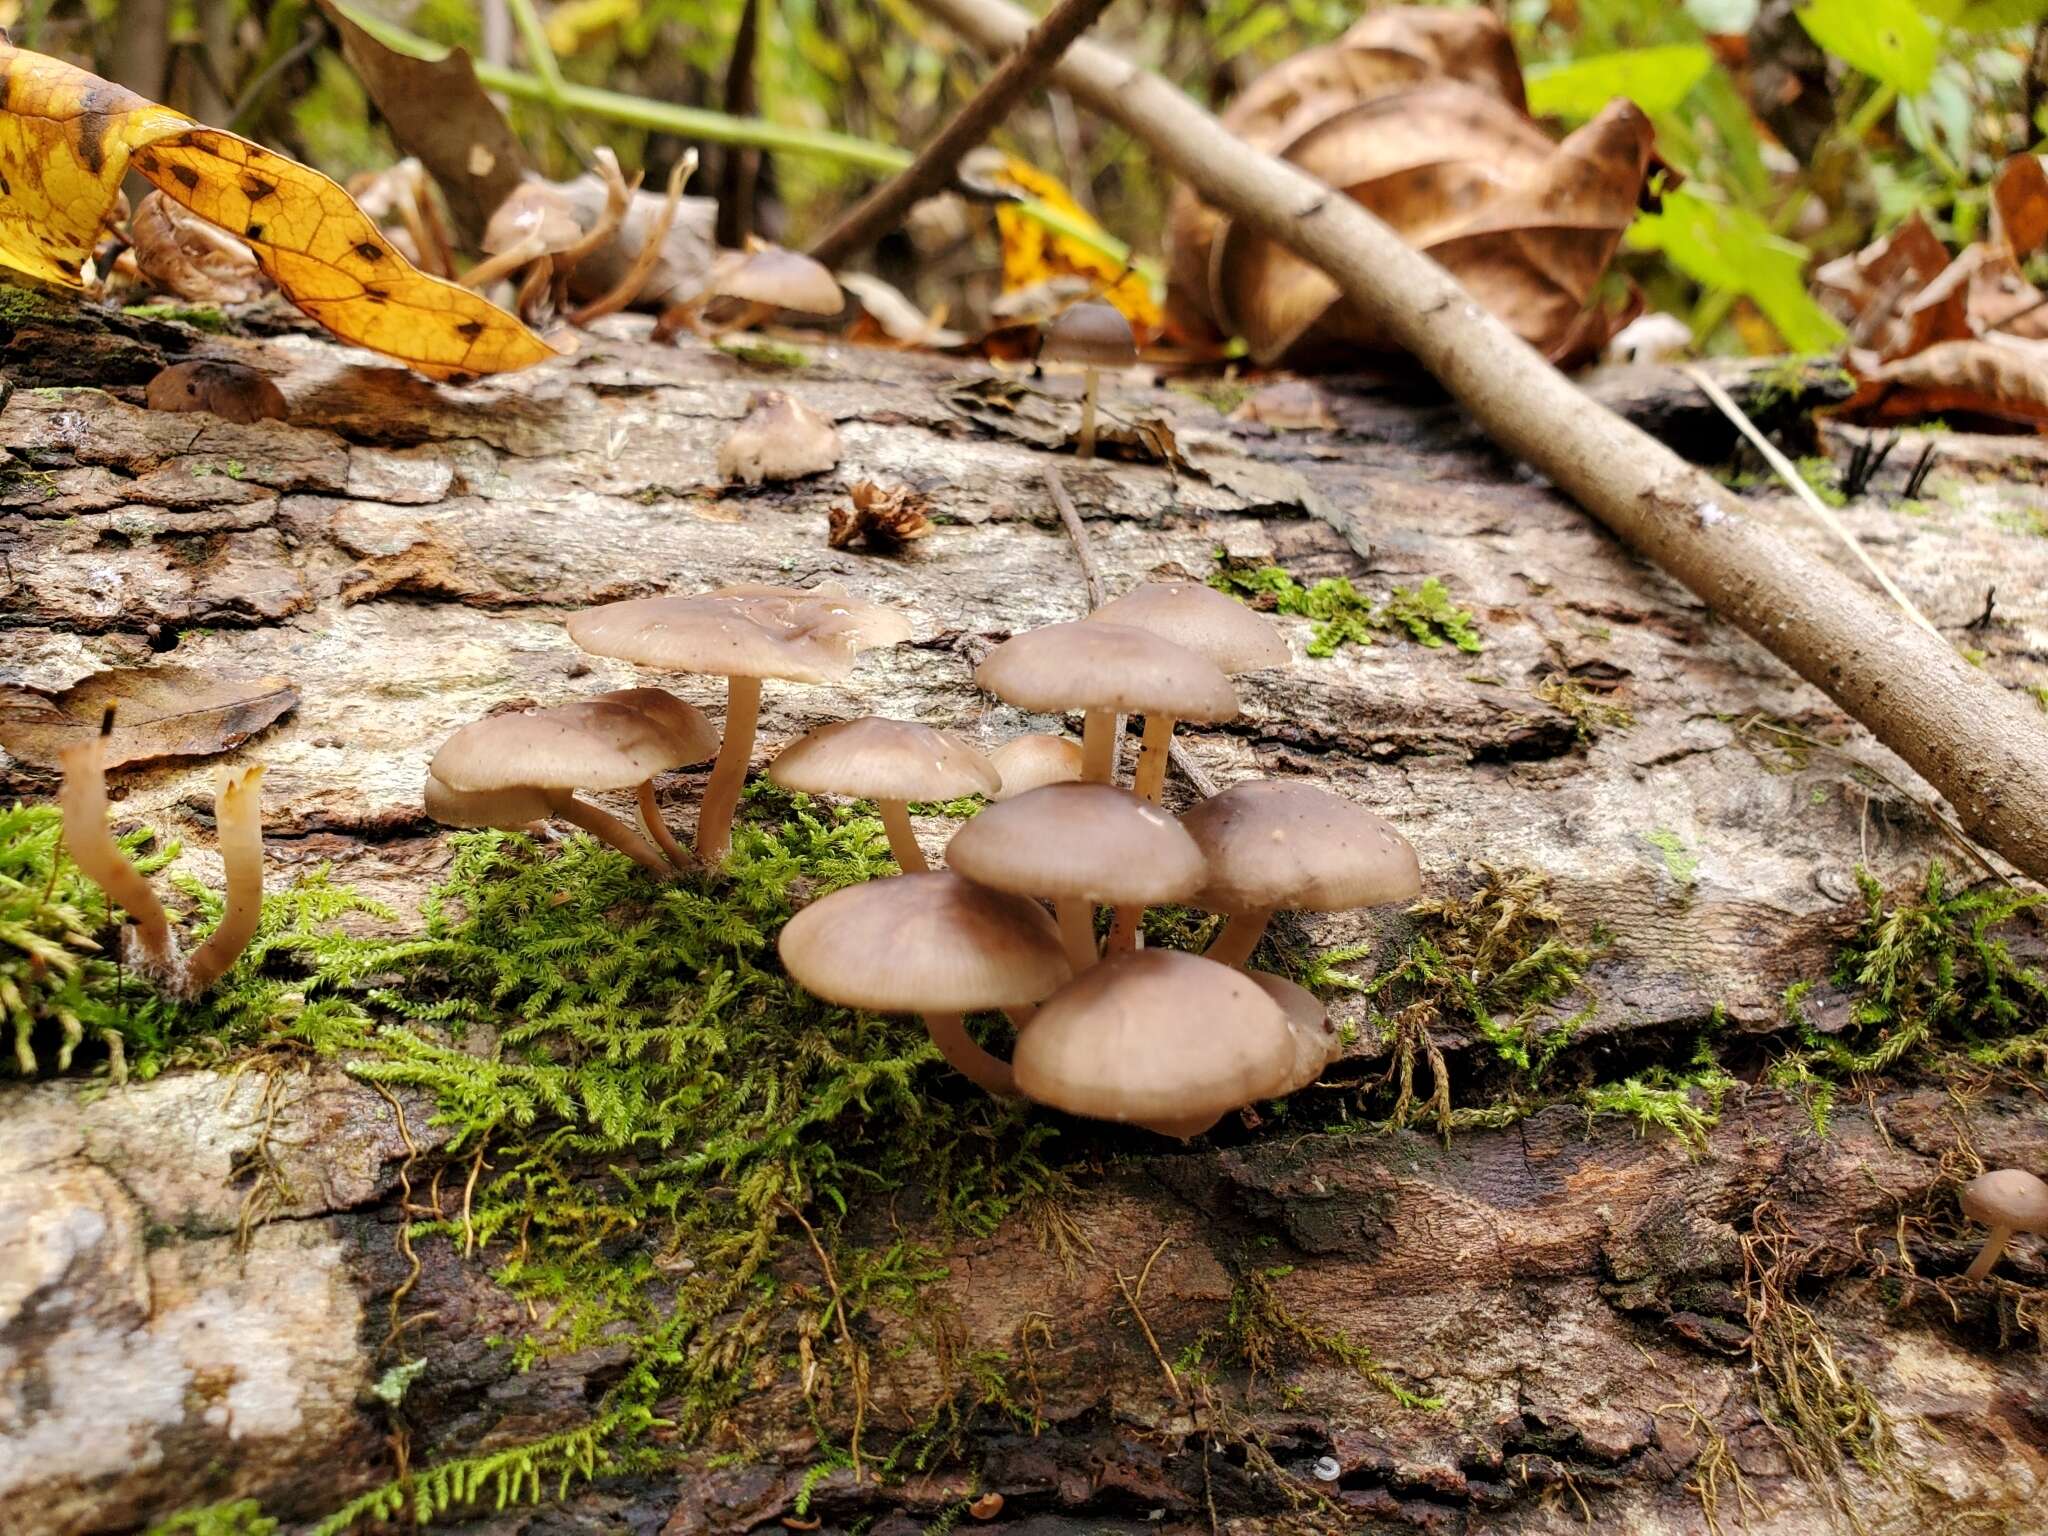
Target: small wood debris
{"points": [[883, 518]]}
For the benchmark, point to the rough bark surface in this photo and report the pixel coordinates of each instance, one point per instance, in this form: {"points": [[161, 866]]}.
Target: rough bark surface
{"points": [[196, 1295]]}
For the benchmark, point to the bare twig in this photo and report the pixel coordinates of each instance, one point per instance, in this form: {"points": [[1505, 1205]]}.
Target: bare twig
{"points": [[856, 1362], [1132, 1294], [882, 210], [1077, 531], [628, 287]]}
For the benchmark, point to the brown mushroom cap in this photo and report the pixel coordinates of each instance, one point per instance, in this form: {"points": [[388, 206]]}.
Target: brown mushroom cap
{"points": [[1235, 637], [534, 210], [586, 745], [688, 726], [772, 275], [1033, 761], [230, 391], [799, 636], [878, 759], [1157, 1038], [2010, 1198], [1090, 335], [1315, 1037], [924, 943], [1087, 665], [780, 438], [502, 808], [1272, 844], [1086, 842]]}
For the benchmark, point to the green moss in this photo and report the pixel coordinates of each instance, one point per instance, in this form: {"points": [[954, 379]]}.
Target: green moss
{"points": [[200, 318], [243, 1517], [1590, 713], [757, 352], [1344, 616], [2040, 693], [1680, 862], [1221, 395], [1263, 1332]]}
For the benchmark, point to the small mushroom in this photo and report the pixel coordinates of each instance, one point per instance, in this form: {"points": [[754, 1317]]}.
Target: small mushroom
{"points": [[1079, 845], [1161, 1039], [1288, 405], [231, 391], [779, 278], [1035, 760], [694, 733], [2007, 1200], [1315, 1037], [1271, 844], [780, 438], [743, 634], [1093, 336], [934, 945], [1105, 670], [890, 762]]}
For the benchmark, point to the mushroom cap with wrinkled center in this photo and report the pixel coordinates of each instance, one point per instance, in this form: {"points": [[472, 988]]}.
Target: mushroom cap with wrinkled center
{"points": [[785, 278], [590, 744], [1155, 1037], [1090, 335], [1089, 842], [1273, 844], [1087, 665], [2007, 1197], [501, 808], [878, 759], [534, 210], [1035, 760], [780, 438], [1235, 637], [924, 944], [687, 725], [1315, 1037], [800, 637]]}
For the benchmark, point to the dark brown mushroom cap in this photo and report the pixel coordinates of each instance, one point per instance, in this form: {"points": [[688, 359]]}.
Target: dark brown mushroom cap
{"points": [[1087, 665], [878, 759], [2007, 1197], [801, 637], [230, 391], [1035, 760], [501, 808], [1235, 637], [1086, 842], [586, 745], [772, 275], [1156, 1038], [924, 944], [1090, 335], [1272, 844], [688, 726]]}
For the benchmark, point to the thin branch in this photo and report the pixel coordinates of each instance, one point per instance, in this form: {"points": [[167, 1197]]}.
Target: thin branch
{"points": [[882, 210], [1077, 532]]}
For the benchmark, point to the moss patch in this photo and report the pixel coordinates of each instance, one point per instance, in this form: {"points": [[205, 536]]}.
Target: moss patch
{"points": [[1344, 616], [200, 318]]}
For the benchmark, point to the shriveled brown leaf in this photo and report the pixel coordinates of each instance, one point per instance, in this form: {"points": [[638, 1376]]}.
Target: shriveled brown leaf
{"points": [[2019, 203], [884, 518], [1867, 290], [1993, 379], [159, 712], [186, 258]]}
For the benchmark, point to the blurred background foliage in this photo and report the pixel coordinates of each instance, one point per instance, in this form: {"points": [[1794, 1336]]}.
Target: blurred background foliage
{"points": [[1802, 130]]}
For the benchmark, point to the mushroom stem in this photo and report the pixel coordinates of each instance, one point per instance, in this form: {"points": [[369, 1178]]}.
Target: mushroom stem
{"points": [[607, 828], [82, 797], [1077, 930], [1988, 1255], [1020, 1014], [1123, 933], [902, 841], [1086, 448], [986, 1072], [657, 828], [729, 773], [1098, 747], [1240, 936], [238, 824], [1149, 781]]}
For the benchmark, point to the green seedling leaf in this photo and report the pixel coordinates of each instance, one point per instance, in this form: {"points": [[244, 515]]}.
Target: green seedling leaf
{"points": [[1889, 40], [1655, 79]]}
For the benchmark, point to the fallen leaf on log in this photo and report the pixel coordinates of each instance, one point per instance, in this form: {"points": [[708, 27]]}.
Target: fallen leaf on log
{"points": [[1994, 379], [884, 518], [1033, 254], [68, 137], [187, 258], [159, 712]]}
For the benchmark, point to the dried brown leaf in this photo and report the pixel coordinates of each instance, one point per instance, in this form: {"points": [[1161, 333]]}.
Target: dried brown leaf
{"points": [[1993, 379], [884, 518], [159, 712]]}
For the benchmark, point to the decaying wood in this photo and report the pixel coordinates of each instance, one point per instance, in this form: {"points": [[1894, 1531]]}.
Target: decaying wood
{"points": [[1984, 749]]}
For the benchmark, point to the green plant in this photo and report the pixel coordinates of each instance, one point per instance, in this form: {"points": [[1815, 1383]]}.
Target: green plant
{"points": [[1343, 616]]}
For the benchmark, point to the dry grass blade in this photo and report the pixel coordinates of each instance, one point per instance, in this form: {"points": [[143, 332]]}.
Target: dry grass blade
{"points": [[628, 287]]}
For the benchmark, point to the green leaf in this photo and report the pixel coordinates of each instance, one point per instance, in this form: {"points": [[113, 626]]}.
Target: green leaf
{"points": [[1889, 40], [1656, 79], [2001, 15], [1719, 246]]}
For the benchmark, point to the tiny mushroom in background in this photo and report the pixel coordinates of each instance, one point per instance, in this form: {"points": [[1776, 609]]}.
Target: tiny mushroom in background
{"points": [[1035, 760], [778, 278], [780, 438], [2007, 1200], [1093, 336], [934, 945], [744, 634], [1288, 405], [694, 733], [1273, 845], [231, 391], [1200, 619], [1315, 1037], [1105, 670], [1165, 1040], [1079, 845], [890, 762]]}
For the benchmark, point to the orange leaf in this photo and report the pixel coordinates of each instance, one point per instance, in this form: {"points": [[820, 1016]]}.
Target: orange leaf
{"points": [[1033, 254]]}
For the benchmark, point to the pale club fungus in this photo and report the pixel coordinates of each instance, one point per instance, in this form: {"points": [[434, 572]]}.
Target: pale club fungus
{"points": [[1091, 336], [506, 770], [1273, 845], [152, 946], [2008, 1201], [744, 634], [935, 945], [891, 762], [780, 438], [1035, 760]]}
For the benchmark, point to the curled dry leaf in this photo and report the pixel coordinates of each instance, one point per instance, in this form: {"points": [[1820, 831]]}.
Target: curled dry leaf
{"points": [[190, 260], [1420, 116], [231, 391], [68, 137], [159, 712], [884, 518]]}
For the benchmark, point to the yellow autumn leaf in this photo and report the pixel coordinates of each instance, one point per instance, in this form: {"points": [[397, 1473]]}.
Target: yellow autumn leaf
{"points": [[68, 137], [1032, 253]]}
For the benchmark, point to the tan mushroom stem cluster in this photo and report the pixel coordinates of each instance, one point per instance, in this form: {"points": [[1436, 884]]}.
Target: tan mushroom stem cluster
{"points": [[2008, 1201]]}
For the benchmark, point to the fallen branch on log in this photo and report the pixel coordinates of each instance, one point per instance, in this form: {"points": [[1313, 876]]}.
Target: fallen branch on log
{"points": [[1981, 747]]}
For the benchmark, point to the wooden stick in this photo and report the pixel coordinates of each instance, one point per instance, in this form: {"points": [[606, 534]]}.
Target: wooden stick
{"points": [[1981, 747], [882, 210]]}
